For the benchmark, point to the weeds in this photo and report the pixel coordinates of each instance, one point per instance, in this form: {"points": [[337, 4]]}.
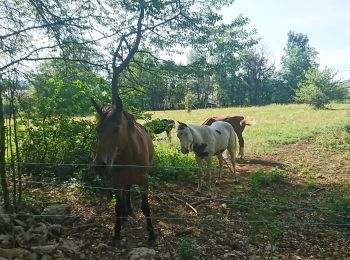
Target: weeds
{"points": [[187, 248], [260, 178]]}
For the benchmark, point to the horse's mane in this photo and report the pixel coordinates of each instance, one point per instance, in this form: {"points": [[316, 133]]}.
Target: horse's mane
{"points": [[130, 118]]}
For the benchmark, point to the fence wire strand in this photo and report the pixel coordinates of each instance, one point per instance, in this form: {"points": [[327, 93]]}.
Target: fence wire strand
{"points": [[217, 199]]}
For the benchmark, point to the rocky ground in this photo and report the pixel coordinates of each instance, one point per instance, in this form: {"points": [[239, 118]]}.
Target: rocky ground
{"points": [[192, 226]]}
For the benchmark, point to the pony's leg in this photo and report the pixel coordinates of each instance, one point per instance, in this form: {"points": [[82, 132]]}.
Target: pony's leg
{"points": [[147, 213], [208, 159], [221, 159], [128, 201], [200, 173]]}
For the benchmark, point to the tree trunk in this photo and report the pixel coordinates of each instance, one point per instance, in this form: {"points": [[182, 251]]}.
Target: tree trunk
{"points": [[4, 186]]}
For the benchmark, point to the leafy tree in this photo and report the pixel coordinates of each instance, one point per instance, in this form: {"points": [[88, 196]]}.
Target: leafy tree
{"points": [[298, 59], [217, 57], [201, 82], [64, 88], [259, 76], [319, 89]]}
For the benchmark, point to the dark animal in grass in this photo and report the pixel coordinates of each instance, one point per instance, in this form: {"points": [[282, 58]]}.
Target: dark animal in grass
{"points": [[124, 155], [158, 126], [238, 123], [207, 141]]}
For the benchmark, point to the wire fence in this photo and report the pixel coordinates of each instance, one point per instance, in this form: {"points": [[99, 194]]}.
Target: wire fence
{"points": [[229, 201], [206, 219]]}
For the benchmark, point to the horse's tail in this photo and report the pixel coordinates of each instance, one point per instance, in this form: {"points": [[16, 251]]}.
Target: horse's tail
{"points": [[245, 122], [208, 121]]}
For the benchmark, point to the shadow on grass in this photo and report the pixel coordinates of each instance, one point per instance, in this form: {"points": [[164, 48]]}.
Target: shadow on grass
{"points": [[263, 162]]}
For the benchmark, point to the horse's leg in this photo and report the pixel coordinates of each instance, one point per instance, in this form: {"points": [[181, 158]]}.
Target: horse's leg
{"points": [[221, 159], [241, 144], [208, 159], [147, 212], [119, 211], [128, 201], [200, 173]]}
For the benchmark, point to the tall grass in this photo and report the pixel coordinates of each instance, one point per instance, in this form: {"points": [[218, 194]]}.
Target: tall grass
{"points": [[276, 125]]}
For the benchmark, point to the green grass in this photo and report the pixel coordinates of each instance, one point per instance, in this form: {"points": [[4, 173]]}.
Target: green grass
{"points": [[276, 125], [259, 179]]}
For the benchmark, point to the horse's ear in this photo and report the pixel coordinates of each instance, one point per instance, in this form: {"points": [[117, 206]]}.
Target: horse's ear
{"points": [[97, 107], [118, 104], [182, 124]]}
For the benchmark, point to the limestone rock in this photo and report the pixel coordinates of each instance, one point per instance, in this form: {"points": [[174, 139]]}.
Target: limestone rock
{"points": [[56, 213], [142, 253]]}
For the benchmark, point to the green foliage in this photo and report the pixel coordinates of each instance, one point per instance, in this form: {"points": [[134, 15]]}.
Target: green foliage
{"points": [[170, 164], [299, 58], [65, 89], [57, 140], [319, 88], [189, 101], [259, 179], [259, 76], [155, 126], [187, 248]]}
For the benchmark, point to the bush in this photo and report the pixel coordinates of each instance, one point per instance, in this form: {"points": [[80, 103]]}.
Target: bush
{"points": [[57, 140], [187, 248], [169, 164], [319, 89]]}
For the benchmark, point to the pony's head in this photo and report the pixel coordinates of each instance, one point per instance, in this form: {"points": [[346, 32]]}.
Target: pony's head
{"points": [[112, 131], [186, 138]]}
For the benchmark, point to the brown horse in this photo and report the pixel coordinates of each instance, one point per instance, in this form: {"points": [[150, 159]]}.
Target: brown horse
{"points": [[238, 123], [124, 154]]}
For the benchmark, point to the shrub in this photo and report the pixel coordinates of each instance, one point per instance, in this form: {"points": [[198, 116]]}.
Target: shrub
{"points": [[169, 164], [319, 89], [187, 248], [57, 140]]}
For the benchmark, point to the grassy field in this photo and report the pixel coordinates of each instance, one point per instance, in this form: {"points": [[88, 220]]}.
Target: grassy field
{"points": [[276, 125]]}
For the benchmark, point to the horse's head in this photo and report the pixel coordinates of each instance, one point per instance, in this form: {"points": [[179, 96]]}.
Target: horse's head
{"points": [[112, 131], [186, 138]]}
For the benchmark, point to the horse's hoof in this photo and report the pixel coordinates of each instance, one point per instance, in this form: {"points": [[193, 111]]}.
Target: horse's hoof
{"points": [[152, 239], [217, 183], [209, 195], [116, 241]]}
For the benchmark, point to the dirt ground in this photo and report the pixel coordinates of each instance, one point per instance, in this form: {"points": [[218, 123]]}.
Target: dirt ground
{"points": [[228, 229], [222, 228]]}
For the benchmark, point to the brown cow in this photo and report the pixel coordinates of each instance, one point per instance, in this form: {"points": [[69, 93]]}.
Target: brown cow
{"points": [[238, 123], [124, 154]]}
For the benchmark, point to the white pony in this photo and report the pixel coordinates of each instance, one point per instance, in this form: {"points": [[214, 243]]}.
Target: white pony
{"points": [[206, 141]]}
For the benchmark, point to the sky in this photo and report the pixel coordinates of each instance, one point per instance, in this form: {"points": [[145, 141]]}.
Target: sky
{"points": [[326, 23]]}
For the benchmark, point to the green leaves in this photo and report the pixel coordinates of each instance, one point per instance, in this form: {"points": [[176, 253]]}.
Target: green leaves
{"points": [[319, 89], [299, 58]]}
